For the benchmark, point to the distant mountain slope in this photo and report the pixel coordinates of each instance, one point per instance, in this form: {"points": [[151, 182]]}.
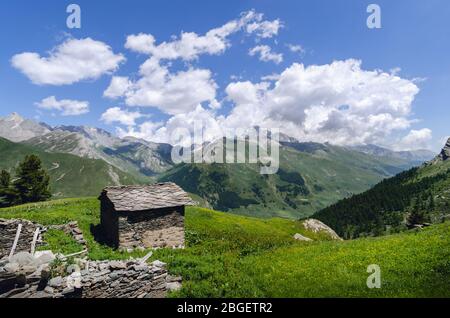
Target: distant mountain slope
{"points": [[70, 176], [135, 156], [311, 176], [387, 205], [16, 128], [416, 157]]}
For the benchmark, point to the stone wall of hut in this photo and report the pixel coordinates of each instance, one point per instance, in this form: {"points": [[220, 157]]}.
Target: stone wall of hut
{"points": [[152, 229]]}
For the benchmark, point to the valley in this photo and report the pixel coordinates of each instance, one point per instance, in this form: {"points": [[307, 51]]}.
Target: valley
{"points": [[311, 176]]}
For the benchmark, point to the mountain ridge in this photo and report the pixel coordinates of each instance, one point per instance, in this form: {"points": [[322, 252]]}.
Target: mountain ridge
{"points": [[90, 142], [311, 175]]}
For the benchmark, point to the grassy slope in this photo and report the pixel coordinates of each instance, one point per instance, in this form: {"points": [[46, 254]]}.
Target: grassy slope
{"points": [[70, 176], [311, 177], [235, 256]]}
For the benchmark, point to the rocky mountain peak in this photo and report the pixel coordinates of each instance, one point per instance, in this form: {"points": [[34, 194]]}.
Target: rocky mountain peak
{"points": [[445, 153], [15, 117], [15, 128]]}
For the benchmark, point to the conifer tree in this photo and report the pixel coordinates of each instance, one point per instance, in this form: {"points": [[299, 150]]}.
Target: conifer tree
{"points": [[417, 215], [431, 204], [5, 179], [8, 196], [32, 183]]}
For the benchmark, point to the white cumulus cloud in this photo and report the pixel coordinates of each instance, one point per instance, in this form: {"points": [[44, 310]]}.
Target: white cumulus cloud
{"points": [[264, 29], [197, 120], [416, 139], [295, 48], [265, 54], [178, 92], [172, 93], [189, 45], [66, 107], [119, 86], [118, 115], [72, 61], [338, 103]]}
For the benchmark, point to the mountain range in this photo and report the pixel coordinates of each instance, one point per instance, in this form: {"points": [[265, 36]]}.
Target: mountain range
{"points": [[311, 175], [135, 156]]}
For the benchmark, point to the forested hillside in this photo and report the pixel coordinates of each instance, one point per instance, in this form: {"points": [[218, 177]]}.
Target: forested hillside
{"points": [[390, 206]]}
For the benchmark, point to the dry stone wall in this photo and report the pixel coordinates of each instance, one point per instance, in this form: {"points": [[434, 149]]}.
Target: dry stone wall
{"points": [[27, 277], [8, 229]]}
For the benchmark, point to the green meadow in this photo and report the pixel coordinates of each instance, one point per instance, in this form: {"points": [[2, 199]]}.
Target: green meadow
{"points": [[235, 256]]}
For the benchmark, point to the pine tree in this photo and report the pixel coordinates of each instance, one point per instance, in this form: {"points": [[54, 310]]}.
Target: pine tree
{"points": [[416, 216], [32, 184], [431, 204], [7, 194], [5, 179]]}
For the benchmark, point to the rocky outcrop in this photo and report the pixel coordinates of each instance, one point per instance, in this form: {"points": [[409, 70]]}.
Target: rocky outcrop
{"points": [[316, 226], [25, 276], [8, 230], [445, 153]]}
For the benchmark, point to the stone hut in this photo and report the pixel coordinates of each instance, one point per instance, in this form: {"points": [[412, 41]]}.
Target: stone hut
{"points": [[148, 216]]}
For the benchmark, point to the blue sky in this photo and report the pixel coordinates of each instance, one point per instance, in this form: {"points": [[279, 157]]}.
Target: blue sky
{"points": [[412, 45]]}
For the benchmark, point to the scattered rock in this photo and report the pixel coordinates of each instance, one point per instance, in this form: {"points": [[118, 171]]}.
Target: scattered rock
{"points": [[56, 282], [23, 259], [29, 269], [316, 226], [44, 257], [68, 290], [49, 290], [158, 264], [117, 265], [300, 237], [140, 267], [12, 267], [173, 286]]}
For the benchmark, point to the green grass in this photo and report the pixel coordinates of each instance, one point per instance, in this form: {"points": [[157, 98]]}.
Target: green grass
{"points": [[235, 256], [60, 242]]}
